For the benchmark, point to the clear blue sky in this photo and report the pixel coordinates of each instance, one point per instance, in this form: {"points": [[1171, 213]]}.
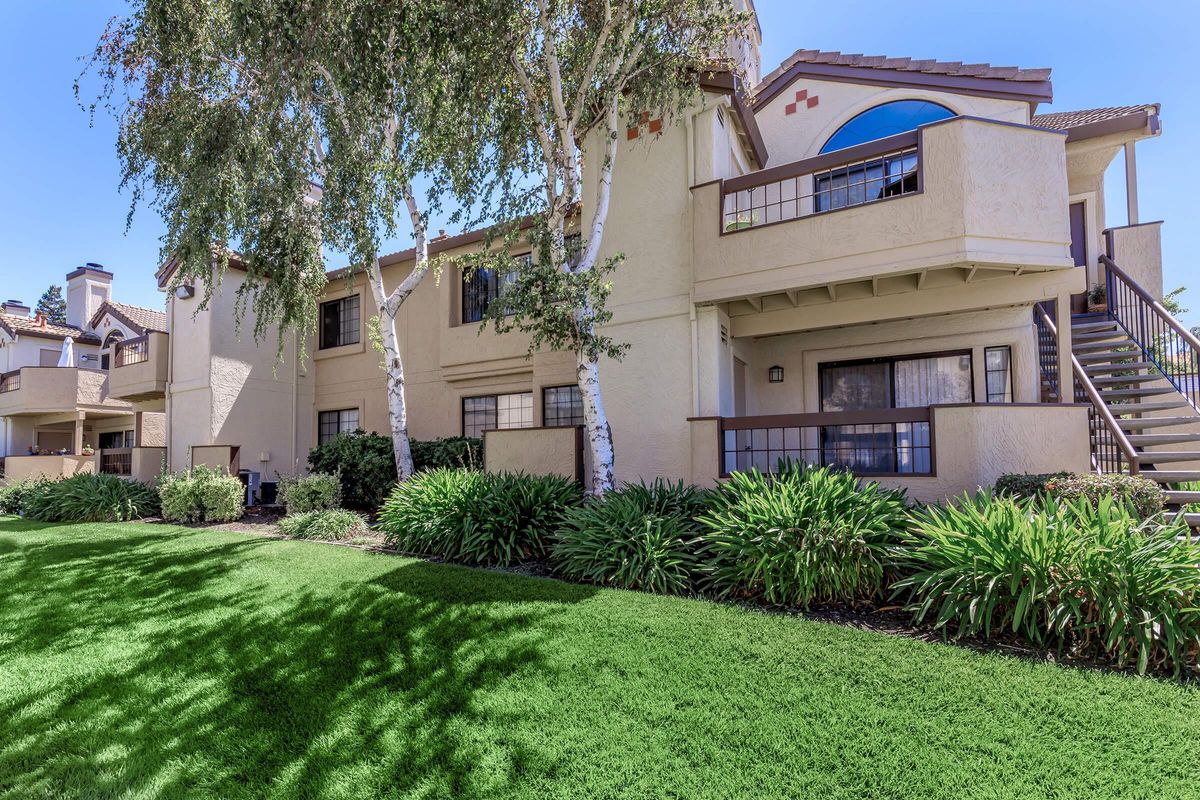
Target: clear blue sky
{"points": [[60, 206]]}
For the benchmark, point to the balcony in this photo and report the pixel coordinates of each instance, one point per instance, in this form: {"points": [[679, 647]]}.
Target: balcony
{"points": [[52, 390], [139, 368], [964, 195]]}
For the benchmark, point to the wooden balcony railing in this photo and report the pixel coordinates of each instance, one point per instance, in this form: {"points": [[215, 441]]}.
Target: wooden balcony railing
{"points": [[873, 443], [854, 176], [116, 461], [132, 351], [10, 381]]}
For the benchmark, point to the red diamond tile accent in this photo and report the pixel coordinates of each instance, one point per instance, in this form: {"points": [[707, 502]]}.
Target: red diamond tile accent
{"points": [[790, 108], [812, 102], [632, 133], [800, 95], [655, 125]]}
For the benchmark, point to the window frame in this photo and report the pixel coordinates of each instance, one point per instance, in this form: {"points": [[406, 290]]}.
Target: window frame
{"points": [[470, 309], [338, 425], [494, 413], [1010, 392], [891, 361], [545, 417], [343, 329]]}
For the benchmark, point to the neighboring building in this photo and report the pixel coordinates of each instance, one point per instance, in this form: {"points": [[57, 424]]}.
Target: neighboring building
{"points": [[50, 416], [847, 269]]}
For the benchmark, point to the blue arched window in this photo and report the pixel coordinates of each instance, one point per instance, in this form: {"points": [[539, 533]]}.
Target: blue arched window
{"points": [[886, 120], [889, 175]]}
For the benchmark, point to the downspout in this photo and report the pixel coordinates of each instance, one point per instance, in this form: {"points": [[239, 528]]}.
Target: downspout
{"points": [[170, 377], [691, 181], [295, 402]]}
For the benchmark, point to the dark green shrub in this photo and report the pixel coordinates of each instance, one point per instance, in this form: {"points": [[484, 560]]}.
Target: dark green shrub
{"points": [[639, 537], [1145, 495], [1091, 576], [316, 492], [330, 525], [364, 463], [89, 498], [452, 452], [476, 517], [12, 495], [202, 494], [806, 535]]}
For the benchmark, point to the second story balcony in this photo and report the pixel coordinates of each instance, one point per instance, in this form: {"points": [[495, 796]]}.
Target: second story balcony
{"points": [[139, 368], [51, 390], [962, 194]]}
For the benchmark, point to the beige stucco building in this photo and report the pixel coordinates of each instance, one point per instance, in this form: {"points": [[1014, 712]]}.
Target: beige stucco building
{"points": [[844, 263]]}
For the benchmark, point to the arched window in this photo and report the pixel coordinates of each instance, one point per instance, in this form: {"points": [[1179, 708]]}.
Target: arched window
{"points": [[113, 339], [886, 120]]}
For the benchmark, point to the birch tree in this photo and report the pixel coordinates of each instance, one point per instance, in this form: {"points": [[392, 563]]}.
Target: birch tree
{"points": [[276, 127], [581, 72]]}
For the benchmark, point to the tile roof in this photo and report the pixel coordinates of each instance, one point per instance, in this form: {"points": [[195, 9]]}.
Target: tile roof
{"points": [[927, 66], [136, 317], [24, 326], [1063, 120]]}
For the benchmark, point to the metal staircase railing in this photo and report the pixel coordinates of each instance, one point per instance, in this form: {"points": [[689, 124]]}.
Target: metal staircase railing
{"points": [[1111, 448], [1163, 340]]}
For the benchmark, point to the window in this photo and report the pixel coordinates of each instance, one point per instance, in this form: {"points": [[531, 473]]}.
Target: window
{"points": [[331, 423], [886, 120], [339, 322], [889, 176], [48, 358], [998, 370], [482, 286], [115, 439], [561, 405], [496, 411]]}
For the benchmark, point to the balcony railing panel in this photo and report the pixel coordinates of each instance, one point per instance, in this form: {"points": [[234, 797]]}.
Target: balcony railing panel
{"points": [[132, 351], [116, 461], [870, 443], [10, 381]]}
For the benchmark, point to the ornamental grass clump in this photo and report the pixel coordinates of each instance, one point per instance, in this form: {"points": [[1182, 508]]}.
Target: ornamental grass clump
{"points": [[328, 525], [1093, 578], [88, 498], [804, 535], [642, 536], [476, 517]]}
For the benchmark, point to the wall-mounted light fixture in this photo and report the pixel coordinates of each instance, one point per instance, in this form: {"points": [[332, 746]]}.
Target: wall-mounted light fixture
{"points": [[775, 374], [185, 292]]}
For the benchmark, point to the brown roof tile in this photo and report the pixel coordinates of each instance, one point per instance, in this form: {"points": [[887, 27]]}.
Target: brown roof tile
{"points": [[25, 326], [1064, 120], [136, 317]]}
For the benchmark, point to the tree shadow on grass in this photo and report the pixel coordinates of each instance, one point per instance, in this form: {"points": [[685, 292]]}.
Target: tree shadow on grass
{"points": [[179, 681]]}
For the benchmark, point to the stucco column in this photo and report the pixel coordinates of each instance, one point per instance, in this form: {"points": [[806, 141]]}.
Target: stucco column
{"points": [[1066, 376], [137, 429], [1131, 189], [713, 367], [77, 445]]}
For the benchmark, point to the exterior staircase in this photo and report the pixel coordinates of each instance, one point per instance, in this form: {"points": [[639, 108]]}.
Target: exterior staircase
{"points": [[1139, 369]]}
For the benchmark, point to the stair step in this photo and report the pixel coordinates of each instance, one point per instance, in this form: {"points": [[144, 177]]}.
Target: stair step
{"points": [[1179, 497], [1107, 344], [1117, 380], [1141, 423], [1192, 518], [1168, 456], [1112, 355], [1140, 440], [1120, 409], [1099, 336], [1169, 476], [1145, 391], [1093, 369], [1100, 325]]}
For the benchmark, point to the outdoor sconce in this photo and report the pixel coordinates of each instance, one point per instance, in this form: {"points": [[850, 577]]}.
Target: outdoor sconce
{"points": [[185, 292], [775, 374]]}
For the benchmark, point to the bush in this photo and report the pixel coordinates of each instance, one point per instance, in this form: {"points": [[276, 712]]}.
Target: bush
{"points": [[12, 495], [639, 537], [202, 494], [476, 517], [1145, 495], [805, 535], [364, 463], [1092, 576], [88, 498], [330, 525], [316, 492], [452, 452]]}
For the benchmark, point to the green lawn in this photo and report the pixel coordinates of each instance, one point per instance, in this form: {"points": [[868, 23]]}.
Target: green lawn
{"points": [[145, 661]]}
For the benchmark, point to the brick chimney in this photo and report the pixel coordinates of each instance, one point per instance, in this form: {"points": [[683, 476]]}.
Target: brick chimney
{"points": [[87, 289], [14, 307]]}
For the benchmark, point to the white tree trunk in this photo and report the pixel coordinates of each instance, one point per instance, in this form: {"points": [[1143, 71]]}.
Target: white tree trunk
{"points": [[599, 433], [397, 406]]}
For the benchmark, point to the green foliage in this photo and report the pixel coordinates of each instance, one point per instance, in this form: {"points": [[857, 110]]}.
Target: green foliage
{"points": [[12, 495], [805, 535], [88, 498], [637, 537], [52, 304], [364, 463], [451, 452], [477, 517], [1145, 495], [330, 525], [1088, 575], [315, 492], [201, 494]]}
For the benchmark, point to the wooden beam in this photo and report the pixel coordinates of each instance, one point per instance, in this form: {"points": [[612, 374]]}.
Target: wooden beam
{"points": [[755, 302], [794, 296], [875, 286], [921, 278], [832, 289], [971, 274]]}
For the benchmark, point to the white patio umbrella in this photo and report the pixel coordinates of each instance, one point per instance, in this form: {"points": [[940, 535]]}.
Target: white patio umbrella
{"points": [[67, 359]]}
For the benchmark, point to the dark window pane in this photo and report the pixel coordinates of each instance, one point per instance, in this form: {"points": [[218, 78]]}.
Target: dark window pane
{"points": [[561, 405], [855, 387], [886, 120], [929, 381], [339, 322], [331, 423]]}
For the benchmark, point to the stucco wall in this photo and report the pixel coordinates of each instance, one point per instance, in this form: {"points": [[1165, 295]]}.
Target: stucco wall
{"points": [[533, 451], [1137, 249], [18, 468]]}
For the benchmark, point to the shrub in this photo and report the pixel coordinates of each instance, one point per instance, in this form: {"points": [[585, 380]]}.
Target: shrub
{"points": [[330, 525], [804, 535], [476, 517], [88, 498], [639, 537], [364, 463], [202, 494], [452, 452], [316, 492], [12, 495], [1144, 494], [1092, 576]]}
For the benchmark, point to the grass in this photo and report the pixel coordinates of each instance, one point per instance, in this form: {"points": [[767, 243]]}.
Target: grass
{"points": [[148, 661]]}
